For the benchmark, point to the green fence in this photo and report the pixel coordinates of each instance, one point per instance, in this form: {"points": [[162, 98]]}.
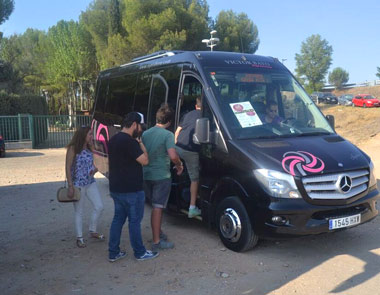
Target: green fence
{"points": [[42, 131], [16, 128]]}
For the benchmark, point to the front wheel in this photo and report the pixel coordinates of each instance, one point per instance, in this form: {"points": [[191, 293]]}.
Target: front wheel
{"points": [[234, 226]]}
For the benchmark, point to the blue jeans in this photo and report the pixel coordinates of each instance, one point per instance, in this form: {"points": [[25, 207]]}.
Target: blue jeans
{"points": [[129, 205]]}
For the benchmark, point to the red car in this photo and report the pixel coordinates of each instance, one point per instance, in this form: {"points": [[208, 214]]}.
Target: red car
{"points": [[365, 101]]}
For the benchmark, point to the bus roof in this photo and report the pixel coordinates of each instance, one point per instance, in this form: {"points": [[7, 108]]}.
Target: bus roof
{"points": [[203, 58]]}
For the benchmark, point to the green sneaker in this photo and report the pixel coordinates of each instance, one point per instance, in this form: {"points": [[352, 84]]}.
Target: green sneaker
{"points": [[194, 212]]}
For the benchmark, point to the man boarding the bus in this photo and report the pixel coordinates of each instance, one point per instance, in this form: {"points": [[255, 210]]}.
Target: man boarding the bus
{"points": [[160, 145]]}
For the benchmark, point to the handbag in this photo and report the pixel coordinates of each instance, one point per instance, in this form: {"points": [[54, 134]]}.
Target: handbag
{"points": [[64, 191], [62, 194]]}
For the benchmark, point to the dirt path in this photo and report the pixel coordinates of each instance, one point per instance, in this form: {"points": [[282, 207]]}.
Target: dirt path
{"points": [[38, 253]]}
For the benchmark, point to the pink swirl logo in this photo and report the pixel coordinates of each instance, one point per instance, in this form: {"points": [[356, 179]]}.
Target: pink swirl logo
{"points": [[302, 161]]}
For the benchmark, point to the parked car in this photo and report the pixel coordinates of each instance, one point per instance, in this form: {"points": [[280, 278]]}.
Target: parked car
{"points": [[324, 97], [2, 147], [328, 97], [345, 99], [365, 101]]}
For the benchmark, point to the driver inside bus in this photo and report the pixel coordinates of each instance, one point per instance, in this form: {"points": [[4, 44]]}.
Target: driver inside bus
{"points": [[271, 114]]}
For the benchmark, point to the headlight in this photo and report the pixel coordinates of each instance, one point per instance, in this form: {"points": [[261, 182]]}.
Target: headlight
{"points": [[372, 178], [369, 102], [277, 184]]}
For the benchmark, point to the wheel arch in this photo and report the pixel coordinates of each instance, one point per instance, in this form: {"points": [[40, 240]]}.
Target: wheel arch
{"points": [[227, 187]]}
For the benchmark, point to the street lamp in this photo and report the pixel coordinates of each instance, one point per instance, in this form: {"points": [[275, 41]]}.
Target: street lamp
{"points": [[213, 41]]}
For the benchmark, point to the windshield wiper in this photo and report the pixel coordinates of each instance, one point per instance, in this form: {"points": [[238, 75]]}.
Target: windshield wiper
{"points": [[286, 135], [313, 133], [275, 136]]}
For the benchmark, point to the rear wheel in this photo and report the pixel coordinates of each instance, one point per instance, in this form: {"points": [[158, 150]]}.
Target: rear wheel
{"points": [[234, 226]]}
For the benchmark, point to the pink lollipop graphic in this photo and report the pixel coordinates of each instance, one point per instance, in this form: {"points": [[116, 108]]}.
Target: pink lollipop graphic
{"points": [[303, 161], [238, 107]]}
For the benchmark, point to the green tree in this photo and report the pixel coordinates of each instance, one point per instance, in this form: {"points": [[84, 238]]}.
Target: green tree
{"points": [[71, 60], [117, 52], [96, 19], [236, 32], [378, 72], [114, 25], [6, 9], [338, 77], [168, 24], [27, 57], [313, 62], [10, 82]]}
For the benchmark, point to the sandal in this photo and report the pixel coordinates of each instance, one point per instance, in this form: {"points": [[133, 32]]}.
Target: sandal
{"points": [[81, 243], [97, 236]]}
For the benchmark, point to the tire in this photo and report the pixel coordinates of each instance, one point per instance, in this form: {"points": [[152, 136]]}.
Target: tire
{"points": [[234, 226]]}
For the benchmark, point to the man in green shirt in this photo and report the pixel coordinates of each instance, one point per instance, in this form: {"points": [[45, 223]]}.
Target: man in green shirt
{"points": [[160, 146]]}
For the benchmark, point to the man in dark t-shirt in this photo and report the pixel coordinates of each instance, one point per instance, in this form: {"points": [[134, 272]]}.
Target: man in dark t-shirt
{"points": [[127, 154], [189, 152]]}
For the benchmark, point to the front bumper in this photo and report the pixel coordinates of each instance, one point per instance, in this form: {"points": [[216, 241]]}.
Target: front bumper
{"points": [[305, 219]]}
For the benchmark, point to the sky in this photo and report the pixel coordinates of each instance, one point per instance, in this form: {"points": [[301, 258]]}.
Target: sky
{"points": [[351, 27]]}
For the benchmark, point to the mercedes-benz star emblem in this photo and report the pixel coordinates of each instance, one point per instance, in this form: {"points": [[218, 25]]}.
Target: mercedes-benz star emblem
{"points": [[344, 184]]}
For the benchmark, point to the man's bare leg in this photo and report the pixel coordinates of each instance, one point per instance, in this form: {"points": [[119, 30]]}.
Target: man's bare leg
{"points": [[193, 192], [156, 218]]}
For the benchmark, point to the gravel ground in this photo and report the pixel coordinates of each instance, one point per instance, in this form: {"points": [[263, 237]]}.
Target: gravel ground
{"points": [[38, 253]]}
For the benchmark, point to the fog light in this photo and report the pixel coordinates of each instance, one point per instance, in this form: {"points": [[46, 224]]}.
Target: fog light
{"points": [[278, 220], [294, 195]]}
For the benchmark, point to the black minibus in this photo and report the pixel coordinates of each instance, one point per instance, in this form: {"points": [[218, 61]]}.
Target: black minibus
{"points": [[271, 164]]}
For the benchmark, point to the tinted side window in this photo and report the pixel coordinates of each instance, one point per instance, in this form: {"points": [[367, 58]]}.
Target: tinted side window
{"points": [[172, 76], [101, 101], [192, 89], [158, 96], [120, 98], [142, 93]]}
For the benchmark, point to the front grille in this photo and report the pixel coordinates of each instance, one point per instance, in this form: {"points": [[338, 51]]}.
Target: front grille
{"points": [[326, 187]]}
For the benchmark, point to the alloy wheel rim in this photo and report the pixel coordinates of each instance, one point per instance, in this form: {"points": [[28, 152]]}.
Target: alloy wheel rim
{"points": [[230, 225]]}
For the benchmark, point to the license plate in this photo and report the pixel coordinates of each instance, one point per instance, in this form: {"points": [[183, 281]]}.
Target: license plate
{"points": [[344, 221]]}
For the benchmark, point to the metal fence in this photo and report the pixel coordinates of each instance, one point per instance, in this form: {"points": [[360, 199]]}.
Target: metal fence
{"points": [[42, 131], [16, 128]]}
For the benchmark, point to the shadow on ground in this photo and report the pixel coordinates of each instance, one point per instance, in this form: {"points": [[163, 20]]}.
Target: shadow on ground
{"points": [[20, 154], [39, 255]]}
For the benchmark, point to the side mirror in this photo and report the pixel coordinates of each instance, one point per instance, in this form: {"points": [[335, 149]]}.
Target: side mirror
{"points": [[202, 131], [331, 120]]}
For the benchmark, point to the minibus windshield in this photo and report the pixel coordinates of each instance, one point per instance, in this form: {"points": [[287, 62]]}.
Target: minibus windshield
{"points": [[265, 103]]}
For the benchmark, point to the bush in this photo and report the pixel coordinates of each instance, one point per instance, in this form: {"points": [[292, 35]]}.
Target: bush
{"points": [[13, 104]]}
